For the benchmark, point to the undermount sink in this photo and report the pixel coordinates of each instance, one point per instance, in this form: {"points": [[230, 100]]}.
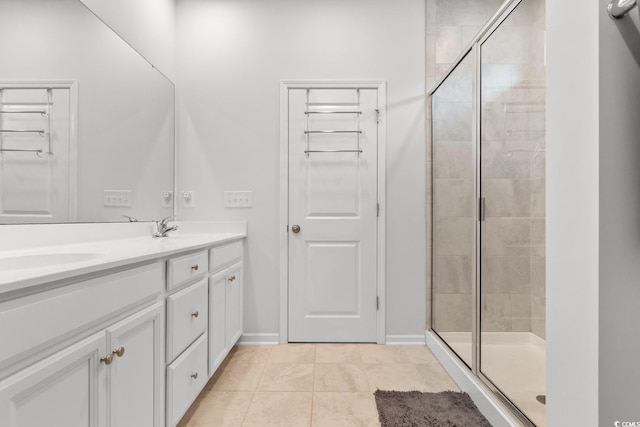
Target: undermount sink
{"points": [[20, 262]]}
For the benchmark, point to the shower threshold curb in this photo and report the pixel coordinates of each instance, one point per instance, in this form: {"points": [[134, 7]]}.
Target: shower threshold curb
{"points": [[490, 407]]}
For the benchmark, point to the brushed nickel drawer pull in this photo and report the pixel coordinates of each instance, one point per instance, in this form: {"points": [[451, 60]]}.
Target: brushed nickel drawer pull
{"points": [[194, 267], [194, 376], [195, 314], [107, 359], [118, 351]]}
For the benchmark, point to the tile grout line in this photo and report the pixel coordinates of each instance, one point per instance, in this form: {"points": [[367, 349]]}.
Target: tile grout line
{"points": [[253, 395], [313, 384]]}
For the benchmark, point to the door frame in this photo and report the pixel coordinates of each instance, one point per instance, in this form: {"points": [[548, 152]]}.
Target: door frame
{"points": [[381, 87]]}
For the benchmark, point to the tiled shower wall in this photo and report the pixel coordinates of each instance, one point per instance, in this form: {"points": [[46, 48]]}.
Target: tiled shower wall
{"points": [[513, 293]]}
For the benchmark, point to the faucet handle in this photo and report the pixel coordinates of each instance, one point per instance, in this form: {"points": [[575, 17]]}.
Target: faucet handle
{"points": [[130, 218], [165, 221]]}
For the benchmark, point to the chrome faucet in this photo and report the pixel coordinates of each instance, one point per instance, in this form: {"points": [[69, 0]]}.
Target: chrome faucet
{"points": [[162, 227]]}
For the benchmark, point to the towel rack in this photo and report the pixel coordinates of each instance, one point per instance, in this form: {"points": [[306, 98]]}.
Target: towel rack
{"points": [[42, 113], [45, 112], [333, 112], [357, 131], [332, 151], [28, 150], [42, 132], [332, 131]]}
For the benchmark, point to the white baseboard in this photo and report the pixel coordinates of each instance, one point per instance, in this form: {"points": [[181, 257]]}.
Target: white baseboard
{"points": [[405, 340], [493, 410], [259, 339]]}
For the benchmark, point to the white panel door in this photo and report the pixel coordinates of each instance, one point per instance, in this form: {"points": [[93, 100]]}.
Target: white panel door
{"points": [[60, 391], [333, 200], [37, 153], [136, 373]]}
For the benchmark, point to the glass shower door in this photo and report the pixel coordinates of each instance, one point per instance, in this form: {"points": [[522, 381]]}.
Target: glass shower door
{"points": [[454, 210], [512, 182]]}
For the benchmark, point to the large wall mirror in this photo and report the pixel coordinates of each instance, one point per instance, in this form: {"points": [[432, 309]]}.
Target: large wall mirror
{"points": [[86, 123]]}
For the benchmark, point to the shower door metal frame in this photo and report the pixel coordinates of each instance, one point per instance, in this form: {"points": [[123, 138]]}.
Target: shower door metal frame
{"points": [[474, 48]]}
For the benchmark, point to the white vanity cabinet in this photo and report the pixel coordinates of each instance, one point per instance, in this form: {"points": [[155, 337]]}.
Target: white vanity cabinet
{"points": [[62, 390], [124, 342], [113, 377], [187, 320], [225, 301]]}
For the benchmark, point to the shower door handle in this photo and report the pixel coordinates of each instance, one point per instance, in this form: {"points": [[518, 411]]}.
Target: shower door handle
{"points": [[619, 8]]}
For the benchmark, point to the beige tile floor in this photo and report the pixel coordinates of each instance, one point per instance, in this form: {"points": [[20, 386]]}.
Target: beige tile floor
{"points": [[312, 384]]}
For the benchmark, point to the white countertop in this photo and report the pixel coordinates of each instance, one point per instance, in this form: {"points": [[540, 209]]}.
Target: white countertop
{"points": [[98, 255]]}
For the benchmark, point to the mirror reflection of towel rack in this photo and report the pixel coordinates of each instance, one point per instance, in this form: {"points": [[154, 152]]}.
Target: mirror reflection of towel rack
{"points": [[42, 132], [42, 113]]}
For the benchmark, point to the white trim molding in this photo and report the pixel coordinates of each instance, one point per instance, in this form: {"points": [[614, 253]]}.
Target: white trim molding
{"points": [[381, 87], [259, 339], [406, 340]]}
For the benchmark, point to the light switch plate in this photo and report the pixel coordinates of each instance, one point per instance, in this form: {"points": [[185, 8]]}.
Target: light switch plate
{"points": [[166, 199], [188, 199], [120, 198], [238, 199]]}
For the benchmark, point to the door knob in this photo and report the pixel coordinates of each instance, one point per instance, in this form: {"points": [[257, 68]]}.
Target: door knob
{"points": [[295, 228]]}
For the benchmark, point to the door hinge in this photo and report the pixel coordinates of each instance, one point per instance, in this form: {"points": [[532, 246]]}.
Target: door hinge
{"points": [[377, 303], [481, 209], [378, 210], [287, 228]]}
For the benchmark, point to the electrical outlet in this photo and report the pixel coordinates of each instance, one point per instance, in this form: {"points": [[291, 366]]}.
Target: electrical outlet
{"points": [[120, 198], [188, 199], [238, 199], [166, 199]]}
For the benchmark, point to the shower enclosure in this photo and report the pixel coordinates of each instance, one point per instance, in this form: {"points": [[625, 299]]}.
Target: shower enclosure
{"points": [[488, 214]]}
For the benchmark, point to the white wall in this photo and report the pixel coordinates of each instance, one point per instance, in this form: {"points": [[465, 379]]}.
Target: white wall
{"points": [[147, 25], [572, 212], [232, 55]]}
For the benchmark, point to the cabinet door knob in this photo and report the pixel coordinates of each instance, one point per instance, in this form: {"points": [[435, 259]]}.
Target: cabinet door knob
{"points": [[195, 314], [118, 351], [107, 359], [195, 267], [295, 228], [194, 376]]}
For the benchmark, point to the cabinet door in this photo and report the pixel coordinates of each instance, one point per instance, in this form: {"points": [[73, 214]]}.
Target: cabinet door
{"points": [[63, 390], [135, 377], [234, 304], [217, 320]]}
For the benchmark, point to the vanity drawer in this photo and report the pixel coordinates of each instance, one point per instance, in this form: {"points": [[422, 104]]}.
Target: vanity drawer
{"points": [[225, 255], [187, 314], [33, 322], [186, 377], [186, 268]]}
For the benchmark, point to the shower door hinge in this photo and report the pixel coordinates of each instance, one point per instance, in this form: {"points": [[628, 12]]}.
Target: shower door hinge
{"points": [[377, 303], [481, 209]]}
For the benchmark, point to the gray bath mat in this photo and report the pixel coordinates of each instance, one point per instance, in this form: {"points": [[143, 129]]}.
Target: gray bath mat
{"points": [[417, 409]]}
